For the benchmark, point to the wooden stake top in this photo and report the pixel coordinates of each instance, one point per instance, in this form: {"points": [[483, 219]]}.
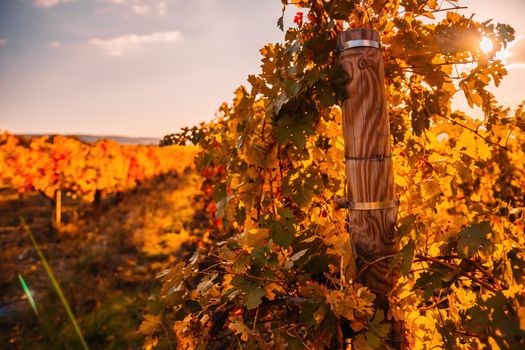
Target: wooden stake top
{"points": [[357, 35]]}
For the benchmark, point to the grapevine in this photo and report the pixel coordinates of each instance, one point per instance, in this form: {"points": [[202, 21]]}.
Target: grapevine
{"points": [[277, 270]]}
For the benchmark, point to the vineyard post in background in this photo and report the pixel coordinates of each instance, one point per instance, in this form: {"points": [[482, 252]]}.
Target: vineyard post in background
{"points": [[370, 193], [58, 206]]}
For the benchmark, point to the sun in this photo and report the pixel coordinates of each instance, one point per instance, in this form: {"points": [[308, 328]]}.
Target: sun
{"points": [[486, 45]]}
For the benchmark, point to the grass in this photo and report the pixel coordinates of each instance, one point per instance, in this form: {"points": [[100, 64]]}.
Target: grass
{"points": [[28, 294], [56, 286]]}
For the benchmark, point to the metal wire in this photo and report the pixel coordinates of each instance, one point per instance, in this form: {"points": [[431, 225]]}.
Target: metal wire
{"points": [[378, 158]]}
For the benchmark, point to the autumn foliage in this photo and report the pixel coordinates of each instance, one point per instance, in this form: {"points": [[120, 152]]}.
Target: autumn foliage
{"points": [[83, 170], [277, 271]]}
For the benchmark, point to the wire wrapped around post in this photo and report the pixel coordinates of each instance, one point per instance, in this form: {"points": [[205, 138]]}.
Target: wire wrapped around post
{"points": [[371, 201]]}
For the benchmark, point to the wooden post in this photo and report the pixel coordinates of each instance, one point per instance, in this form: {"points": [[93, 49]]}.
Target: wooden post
{"points": [[371, 201], [58, 206]]}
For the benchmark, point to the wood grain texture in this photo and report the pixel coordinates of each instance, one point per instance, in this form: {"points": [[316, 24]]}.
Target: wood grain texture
{"points": [[367, 135]]}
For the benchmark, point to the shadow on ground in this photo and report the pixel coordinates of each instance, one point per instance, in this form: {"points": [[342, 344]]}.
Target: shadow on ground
{"points": [[105, 257]]}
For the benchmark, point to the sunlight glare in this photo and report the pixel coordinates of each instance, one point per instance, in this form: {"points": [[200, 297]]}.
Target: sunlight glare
{"points": [[486, 45]]}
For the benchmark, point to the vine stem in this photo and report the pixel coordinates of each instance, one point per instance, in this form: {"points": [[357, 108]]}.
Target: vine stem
{"points": [[370, 264], [461, 273], [449, 9], [474, 131], [257, 278]]}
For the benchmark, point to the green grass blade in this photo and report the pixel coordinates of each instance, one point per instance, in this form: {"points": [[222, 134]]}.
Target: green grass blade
{"points": [[29, 295], [55, 284]]}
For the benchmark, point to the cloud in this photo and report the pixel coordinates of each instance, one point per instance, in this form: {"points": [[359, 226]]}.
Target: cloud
{"points": [[49, 3], [162, 8], [3, 42], [516, 57], [117, 46], [141, 9], [53, 45], [138, 7]]}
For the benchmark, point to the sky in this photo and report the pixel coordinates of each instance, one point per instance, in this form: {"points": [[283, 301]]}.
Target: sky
{"points": [[146, 68]]}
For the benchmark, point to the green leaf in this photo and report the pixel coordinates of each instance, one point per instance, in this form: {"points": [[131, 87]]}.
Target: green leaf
{"points": [[326, 94], [241, 263], [282, 233], [420, 121], [378, 331], [407, 225], [254, 297], [311, 77], [475, 239], [404, 258], [283, 230], [434, 279], [506, 33], [288, 131], [280, 21], [291, 88], [252, 290]]}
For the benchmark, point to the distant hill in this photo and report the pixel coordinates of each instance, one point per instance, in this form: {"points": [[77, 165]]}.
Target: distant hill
{"points": [[125, 140]]}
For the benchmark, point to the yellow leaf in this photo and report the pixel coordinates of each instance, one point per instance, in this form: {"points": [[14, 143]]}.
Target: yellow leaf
{"points": [[238, 327], [473, 146], [150, 324], [271, 289], [150, 343]]}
